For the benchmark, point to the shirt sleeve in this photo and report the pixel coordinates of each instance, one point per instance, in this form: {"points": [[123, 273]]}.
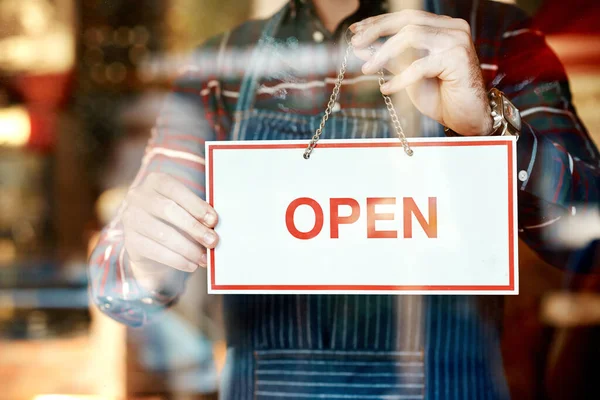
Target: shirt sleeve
{"points": [[190, 116], [557, 162]]}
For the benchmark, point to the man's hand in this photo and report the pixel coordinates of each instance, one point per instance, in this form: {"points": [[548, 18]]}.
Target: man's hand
{"points": [[166, 227], [446, 84]]}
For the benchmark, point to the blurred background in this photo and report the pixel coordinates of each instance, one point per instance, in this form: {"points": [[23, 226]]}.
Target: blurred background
{"points": [[81, 83]]}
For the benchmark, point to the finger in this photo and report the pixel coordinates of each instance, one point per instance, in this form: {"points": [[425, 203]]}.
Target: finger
{"points": [[431, 66], [390, 24], [427, 67], [363, 54], [411, 36], [172, 189], [148, 249], [366, 54], [152, 228], [203, 259], [357, 26], [175, 215]]}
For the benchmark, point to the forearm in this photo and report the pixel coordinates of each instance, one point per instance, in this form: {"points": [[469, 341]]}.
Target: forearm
{"points": [[558, 200], [133, 293], [558, 165], [549, 172]]}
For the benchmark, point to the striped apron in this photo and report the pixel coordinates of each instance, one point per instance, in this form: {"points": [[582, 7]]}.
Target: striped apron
{"points": [[352, 346]]}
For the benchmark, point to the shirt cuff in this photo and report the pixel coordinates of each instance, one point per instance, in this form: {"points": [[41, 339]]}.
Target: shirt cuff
{"points": [[540, 168]]}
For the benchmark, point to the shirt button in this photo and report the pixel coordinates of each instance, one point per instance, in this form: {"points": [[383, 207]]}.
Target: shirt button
{"points": [[318, 36], [147, 300], [336, 107], [523, 175]]}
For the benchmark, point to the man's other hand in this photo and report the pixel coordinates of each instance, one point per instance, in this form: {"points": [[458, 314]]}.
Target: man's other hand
{"points": [[166, 226], [446, 83]]}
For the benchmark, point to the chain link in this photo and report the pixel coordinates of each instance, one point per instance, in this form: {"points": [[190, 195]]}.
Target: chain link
{"points": [[333, 98]]}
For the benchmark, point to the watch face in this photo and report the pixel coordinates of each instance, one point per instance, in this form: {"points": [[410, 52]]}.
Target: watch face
{"points": [[511, 114]]}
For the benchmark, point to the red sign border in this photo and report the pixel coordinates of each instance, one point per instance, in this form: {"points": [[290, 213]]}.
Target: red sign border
{"points": [[373, 288]]}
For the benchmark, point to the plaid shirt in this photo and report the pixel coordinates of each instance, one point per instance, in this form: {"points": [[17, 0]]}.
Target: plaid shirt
{"points": [[558, 164]]}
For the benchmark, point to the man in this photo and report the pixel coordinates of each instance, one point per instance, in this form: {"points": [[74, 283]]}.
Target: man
{"points": [[341, 347]]}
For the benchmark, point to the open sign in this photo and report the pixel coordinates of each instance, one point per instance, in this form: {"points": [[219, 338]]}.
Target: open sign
{"points": [[362, 217], [410, 208]]}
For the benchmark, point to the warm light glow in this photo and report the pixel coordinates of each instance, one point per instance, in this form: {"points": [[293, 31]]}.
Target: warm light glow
{"points": [[51, 53], [579, 230], [109, 202], [571, 309], [15, 127], [219, 355], [38, 37], [8, 251]]}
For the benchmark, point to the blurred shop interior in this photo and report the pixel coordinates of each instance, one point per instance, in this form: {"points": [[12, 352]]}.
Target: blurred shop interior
{"points": [[81, 85]]}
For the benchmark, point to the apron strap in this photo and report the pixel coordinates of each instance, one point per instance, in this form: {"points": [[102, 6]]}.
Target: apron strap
{"points": [[257, 61], [253, 74]]}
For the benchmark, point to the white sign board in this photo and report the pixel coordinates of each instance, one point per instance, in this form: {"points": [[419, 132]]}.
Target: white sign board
{"points": [[362, 217]]}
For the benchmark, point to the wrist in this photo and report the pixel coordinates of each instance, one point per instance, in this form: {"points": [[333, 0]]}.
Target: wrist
{"points": [[484, 126], [503, 118], [488, 128], [156, 283]]}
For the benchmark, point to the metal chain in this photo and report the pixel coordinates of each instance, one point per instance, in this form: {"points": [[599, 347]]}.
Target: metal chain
{"points": [[330, 104], [395, 120], [333, 98]]}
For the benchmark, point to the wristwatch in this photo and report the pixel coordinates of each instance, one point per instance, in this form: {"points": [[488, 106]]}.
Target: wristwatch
{"points": [[506, 119]]}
